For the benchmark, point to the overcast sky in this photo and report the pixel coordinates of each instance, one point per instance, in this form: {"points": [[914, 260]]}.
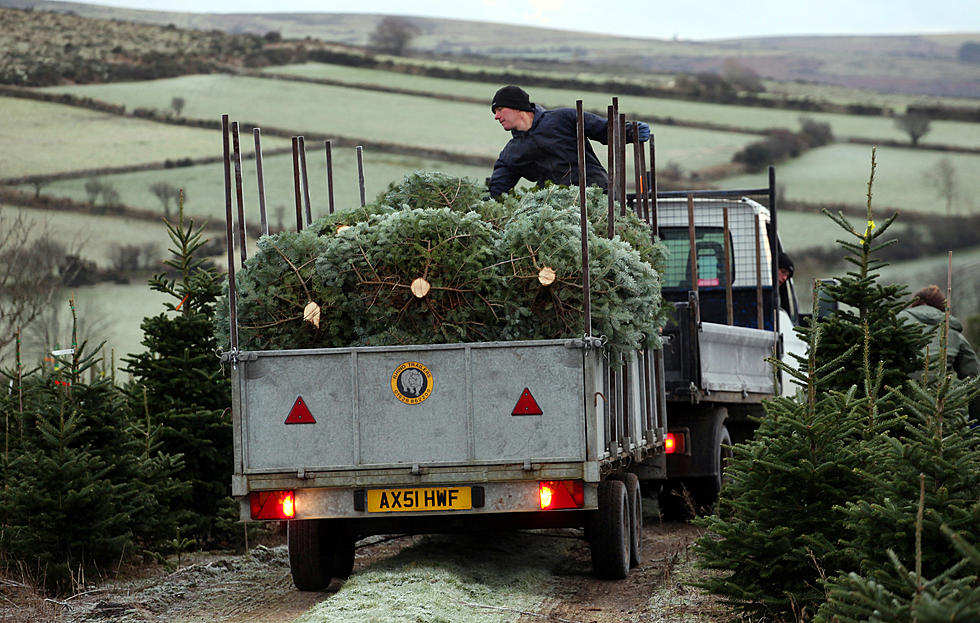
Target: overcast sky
{"points": [[697, 19]]}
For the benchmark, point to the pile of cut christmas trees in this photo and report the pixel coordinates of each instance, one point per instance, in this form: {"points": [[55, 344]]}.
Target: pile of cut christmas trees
{"points": [[434, 261]]}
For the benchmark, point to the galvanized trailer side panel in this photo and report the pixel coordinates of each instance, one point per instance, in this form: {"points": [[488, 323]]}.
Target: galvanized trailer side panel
{"points": [[361, 423], [733, 359]]}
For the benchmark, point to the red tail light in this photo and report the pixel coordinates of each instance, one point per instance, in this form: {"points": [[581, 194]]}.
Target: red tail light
{"points": [[273, 505], [555, 494], [674, 443]]}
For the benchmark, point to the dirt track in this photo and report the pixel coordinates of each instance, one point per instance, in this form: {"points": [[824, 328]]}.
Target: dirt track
{"points": [[256, 588]]}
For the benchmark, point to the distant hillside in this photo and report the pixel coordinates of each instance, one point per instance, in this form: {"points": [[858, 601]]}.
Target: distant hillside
{"points": [[926, 65]]}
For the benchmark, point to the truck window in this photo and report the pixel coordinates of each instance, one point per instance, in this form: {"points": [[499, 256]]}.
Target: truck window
{"points": [[710, 244]]}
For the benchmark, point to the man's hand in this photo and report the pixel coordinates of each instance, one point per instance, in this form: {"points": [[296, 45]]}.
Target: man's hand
{"points": [[642, 131]]}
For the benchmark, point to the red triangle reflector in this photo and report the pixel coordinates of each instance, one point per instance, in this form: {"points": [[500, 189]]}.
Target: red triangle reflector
{"points": [[526, 404], [300, 413]]}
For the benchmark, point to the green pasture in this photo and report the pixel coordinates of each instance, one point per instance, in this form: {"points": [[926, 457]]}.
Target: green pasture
{"points": [[94, 236], [370, 115], [110, 313], [839, 173], [934, 269], [754, 118], [804, 230], [40, 138], [205, 191]]}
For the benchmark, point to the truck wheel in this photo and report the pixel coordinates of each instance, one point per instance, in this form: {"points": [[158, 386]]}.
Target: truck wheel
{"points": [[685, 498], [675, 501], [705, 491], [611, 541], [635, 499]]}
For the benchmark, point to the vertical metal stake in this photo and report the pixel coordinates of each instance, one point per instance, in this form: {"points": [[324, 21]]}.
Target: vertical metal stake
{"points": [[306, 181], [584, 220], [621, 180], [758, 271], [729, 311], [611, 166], [329, 150], [693, 239], [296, 185], [229, 238], [637, 172], [653, 188], [643, 190], [239, 193], [360, 173], [256, 133]]}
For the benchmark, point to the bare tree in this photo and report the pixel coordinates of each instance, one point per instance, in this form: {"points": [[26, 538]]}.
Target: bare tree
{"points": [[150, 255], [124, 257], [165, 193], [53, 327], [913, 124], [177, 104], [28, 273], [110, 196], [93, 188], [943, 178], [38, 183], [392, 35]]}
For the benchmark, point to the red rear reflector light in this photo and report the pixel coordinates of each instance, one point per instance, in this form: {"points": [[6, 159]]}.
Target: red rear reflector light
{"points": [[555, 494], [674, 443], [273, 504]]}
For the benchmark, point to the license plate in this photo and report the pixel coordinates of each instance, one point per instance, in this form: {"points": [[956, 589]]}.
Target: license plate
{"points": [[420, 499]]}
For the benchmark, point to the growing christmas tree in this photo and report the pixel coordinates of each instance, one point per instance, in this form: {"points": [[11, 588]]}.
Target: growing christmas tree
{"points": [[780, 520], [868, 310], [178, 381]]}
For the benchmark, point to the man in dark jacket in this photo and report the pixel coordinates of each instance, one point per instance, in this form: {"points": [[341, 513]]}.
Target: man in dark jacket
{"points": [[929, 309], [544, 144]]}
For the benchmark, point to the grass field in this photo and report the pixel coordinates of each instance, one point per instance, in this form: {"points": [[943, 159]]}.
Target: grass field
{"points": [[39, 138], [93, 236], [839, 173], [106, 312], [874, 128], [402, 119]]}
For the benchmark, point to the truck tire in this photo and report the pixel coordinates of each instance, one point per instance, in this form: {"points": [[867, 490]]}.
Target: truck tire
{"points": [[635, 499], [611, 541], [704, 491], [682, 499]]}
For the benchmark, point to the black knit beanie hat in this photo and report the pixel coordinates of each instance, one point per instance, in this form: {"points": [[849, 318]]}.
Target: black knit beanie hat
{"points": [[511, 96], [785, 262]]}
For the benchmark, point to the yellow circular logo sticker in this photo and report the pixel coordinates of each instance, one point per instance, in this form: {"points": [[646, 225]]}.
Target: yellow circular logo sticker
{"points": [[411, 382]]}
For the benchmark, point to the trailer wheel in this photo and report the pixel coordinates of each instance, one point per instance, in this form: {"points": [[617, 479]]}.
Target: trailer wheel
{"points": [[342, 557], [634, 497], [305, 540], [611, 541]]}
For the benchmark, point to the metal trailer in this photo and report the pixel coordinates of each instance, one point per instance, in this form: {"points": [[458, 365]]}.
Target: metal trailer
{"points": [[349, 442], [728, 322]]}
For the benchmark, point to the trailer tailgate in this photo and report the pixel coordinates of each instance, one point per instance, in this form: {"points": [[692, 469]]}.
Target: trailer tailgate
{"points": [[369, 407]]}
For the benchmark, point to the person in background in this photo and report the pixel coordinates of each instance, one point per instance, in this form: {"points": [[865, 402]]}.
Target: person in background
{"points": [[544, 144], [785, 271], [929, 309]]}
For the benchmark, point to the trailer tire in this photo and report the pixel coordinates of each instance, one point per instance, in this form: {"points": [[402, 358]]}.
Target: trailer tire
{"points": [[305, 541], [342, 557], [634, 497], [611, 541]]}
